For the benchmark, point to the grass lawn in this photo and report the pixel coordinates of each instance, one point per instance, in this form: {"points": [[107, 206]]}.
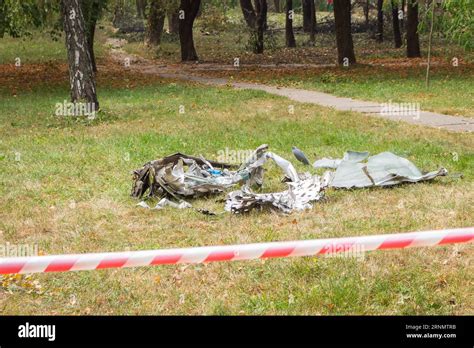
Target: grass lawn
{"points": [[65, 184], [68, 191], [451, 90]]}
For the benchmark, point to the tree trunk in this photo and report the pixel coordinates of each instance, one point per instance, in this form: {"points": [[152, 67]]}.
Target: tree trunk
{"points": [[413, 41], [428, 66], [188, 12], [307, 20], [140, 5], [81, 74], [155, 23], [91, 11], [249, 13], [379, 34], [261, 12], [277, 6], [403, 21], [289, 35], [397, 36], [366, 12], [312, 32], [173, 22], [345, 46]]}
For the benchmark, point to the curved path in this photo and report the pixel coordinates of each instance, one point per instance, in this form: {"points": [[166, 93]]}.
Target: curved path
{"points": [[425, 118]]}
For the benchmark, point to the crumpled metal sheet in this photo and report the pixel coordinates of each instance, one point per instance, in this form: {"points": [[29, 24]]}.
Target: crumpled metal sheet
{"points": [[384, 169], [180, 176], [299, 196]]}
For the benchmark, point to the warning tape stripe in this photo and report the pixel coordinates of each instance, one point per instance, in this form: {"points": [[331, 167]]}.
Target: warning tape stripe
{"points": [[78, 262]]}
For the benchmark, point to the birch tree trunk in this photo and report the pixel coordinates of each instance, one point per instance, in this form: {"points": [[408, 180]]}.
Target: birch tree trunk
{"points": [[81, 75]]}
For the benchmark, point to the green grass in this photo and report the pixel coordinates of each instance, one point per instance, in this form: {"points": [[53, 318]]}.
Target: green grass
{"points": [[450, 92], [39, 47], [65, 186]]}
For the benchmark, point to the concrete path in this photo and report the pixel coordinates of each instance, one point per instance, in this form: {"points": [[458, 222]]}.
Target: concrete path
{"points": [[424, 118]]}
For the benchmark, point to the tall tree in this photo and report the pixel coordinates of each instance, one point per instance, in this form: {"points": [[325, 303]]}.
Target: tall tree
{"points": [[289, 35], [277, 6], [92, 11], [249, 13], [173, 21], [309, 15], [312, 32], [155, 22], [187, 14], [397, 36], [366, 12], [379, 33], [413, 40], [81, 74], [345, 46], [261, 12], [140, 5]]}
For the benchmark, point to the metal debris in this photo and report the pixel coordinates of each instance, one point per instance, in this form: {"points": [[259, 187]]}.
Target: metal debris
{"points": [[179, 176], [299, 196], [384, 169]]}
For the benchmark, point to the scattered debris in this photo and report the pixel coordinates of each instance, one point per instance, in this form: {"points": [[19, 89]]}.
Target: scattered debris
{"points": [[177, 177], [300, 156], [299, 196], [384, 169]]}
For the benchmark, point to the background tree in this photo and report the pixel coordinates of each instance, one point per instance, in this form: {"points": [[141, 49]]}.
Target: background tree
{"points": [[92, 10], [289, 35], [397, 36], [261, 12], [81, 74], [379, 33], [155, 22], [140, 5], [458, 22], [309, 17], [187, 14], [345, 46], [249, 13], [413, 40]]}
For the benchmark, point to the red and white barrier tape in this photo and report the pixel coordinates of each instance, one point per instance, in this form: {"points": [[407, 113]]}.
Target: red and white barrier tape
{"points": [[82, 262]]}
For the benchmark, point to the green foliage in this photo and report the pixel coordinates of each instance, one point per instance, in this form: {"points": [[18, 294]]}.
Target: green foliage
{"points": [[459, 22], [18, 17]]}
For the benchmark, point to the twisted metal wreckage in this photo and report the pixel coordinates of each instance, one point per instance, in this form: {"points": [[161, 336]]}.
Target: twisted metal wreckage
{"points": [[178, 177]]}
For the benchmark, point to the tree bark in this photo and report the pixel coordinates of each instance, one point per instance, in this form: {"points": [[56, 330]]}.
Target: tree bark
{"points": [[413, 41], [277, 6], [312, 32], [366, 12], [261, 12], [81, 74], [249, 13], [397, 36], [189, 10], [173, 22], [345, 46], [289, 35], [91, 11], [140, 5], [379, 34], [155, 23], [308, 16]]}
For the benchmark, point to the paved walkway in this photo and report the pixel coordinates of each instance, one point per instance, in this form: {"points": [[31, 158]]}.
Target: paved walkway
{"points": [[425, 118]]}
